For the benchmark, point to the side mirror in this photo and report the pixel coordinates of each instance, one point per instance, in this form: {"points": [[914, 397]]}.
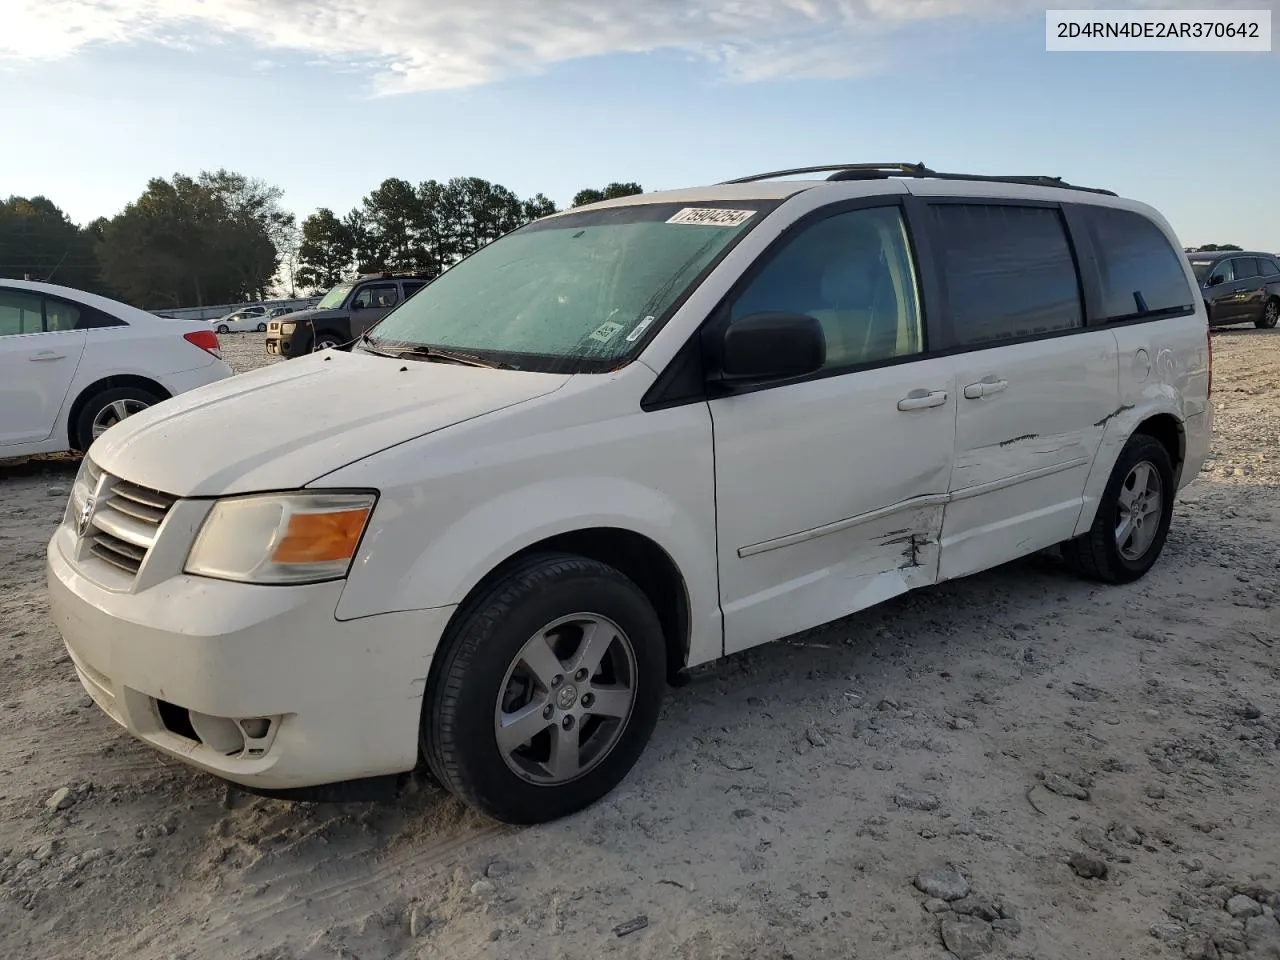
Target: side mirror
{"points": [[1215, 279], [357, 305], [771, 346]]}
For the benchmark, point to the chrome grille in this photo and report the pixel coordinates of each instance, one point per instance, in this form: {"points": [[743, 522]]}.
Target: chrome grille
{"points": [[125, 523]]}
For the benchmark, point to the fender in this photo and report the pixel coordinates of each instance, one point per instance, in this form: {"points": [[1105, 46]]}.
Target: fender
{"points": [[482, 500]]}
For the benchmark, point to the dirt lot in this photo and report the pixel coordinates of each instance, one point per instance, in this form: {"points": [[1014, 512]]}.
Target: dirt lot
{"points": [[1097, 766]]}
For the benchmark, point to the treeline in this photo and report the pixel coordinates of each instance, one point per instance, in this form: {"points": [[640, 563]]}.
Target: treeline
{"points": [[422, 228], [223, 237]]}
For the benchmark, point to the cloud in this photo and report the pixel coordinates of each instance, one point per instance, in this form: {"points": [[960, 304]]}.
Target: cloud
{"points": [[414, 45]]}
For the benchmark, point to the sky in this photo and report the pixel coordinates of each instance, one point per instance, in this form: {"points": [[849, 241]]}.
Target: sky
{"points": [[326, 98]]}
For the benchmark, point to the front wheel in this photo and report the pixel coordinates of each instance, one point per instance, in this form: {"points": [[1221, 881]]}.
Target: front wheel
{"points": [[547, 692], [1270, 316], [1132, 522], [327, 341]]}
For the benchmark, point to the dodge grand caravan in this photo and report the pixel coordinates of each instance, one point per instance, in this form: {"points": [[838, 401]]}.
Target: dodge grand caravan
{"points": [[619, 442]]}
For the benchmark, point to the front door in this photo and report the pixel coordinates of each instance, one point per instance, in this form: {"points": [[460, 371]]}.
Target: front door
{"points": [[1251, 288], [1034, 385], [371, 303], [38, 359], [829, 490], [1221, 293]]}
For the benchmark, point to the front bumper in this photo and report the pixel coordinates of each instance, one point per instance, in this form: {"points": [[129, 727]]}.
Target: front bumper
{"points": [[287, 344], [261, 686]]}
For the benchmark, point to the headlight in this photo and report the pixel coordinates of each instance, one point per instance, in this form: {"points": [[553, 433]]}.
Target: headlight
{"points": [[281, 538], [288, 326]]}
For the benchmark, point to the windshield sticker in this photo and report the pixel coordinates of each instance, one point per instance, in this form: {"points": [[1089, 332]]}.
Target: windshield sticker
{"points": [[641, 327], [605, 332], [712, 217]]}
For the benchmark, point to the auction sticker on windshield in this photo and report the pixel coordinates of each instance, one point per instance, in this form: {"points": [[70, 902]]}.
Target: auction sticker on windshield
{"points": [[712, 217]]}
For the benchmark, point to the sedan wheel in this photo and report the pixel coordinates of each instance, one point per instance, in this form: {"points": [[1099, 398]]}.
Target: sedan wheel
{"points": [[113, 413]]}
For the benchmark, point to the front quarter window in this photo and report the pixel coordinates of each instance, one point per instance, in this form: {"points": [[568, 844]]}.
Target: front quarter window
{"points": [[577, 293]]}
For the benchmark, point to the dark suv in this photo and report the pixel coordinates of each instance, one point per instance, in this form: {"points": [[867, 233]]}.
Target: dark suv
{"points": [[342, 315], [1238, 286]]}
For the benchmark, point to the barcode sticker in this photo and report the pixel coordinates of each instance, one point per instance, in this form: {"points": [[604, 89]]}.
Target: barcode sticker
{"points": [[712, 217]]}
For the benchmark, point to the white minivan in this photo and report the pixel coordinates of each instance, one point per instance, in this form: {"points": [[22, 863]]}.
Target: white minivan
{"points": [[619, 442]]}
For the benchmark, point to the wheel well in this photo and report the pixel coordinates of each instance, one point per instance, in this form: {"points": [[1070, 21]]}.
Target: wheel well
{"points": [[108, 383], [1169, 432], [643, 562]]}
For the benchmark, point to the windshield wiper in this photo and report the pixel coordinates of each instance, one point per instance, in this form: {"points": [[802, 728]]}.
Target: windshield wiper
{"points": [[440, 355], [417, 351]]}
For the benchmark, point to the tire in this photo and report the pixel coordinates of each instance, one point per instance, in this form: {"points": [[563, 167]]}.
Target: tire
{"points": [[484, 675], [262, 328], [106, 409], [1101, 554], [1270, 315], [327, 340], [223, 328]]}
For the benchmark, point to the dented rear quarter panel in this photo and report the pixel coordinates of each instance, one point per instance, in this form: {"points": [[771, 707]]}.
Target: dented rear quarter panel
{"points": [[1164, 369]]}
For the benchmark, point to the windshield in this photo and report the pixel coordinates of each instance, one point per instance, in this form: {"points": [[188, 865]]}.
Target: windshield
{"points": [[334, 297], [576, 293], [1201, 269]]}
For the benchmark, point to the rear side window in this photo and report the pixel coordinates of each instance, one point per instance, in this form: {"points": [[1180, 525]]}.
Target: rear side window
{"points": [[1009, 271], [1245, 267], [20, 312], [1140, 272], [1268, 268]]}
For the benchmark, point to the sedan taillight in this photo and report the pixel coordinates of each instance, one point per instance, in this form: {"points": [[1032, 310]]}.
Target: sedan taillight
{"points": [[206, 340]]}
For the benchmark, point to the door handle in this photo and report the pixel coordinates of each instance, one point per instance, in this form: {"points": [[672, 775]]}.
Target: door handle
{"points": [[984, 388], [922, 400], [46, 355]]}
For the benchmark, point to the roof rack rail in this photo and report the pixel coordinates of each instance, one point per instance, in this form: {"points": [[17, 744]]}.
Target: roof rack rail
{"points": [[882, 171]]}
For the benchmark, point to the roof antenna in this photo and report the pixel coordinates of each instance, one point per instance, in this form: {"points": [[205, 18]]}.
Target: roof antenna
{"points": [[49, 278]]}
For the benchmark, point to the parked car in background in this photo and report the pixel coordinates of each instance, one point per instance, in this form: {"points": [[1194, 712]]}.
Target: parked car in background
{"points": [[243, 321], [73, 364], [1239, 287], [342, 315], [619, 442]]}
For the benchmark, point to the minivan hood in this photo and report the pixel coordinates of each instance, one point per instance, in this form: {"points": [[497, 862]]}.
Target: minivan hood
{"points": [[284, 426]]}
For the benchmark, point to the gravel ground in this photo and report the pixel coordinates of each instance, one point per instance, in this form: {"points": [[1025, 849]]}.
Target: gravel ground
{"points": [[1017, 765]]}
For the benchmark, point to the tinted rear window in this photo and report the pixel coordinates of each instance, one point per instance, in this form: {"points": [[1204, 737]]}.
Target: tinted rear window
{"points": [[1140, 271], [1009, 271]]}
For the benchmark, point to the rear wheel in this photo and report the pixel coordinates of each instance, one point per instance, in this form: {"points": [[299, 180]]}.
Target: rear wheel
{"points": [[262, 328], [548, 689], [223, 328], [106, 409], [1271, 315], [1132, 522]]}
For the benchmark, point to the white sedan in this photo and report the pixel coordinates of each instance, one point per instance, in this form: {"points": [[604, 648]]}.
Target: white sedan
{"points": [[73, 364], [242, 321]]}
